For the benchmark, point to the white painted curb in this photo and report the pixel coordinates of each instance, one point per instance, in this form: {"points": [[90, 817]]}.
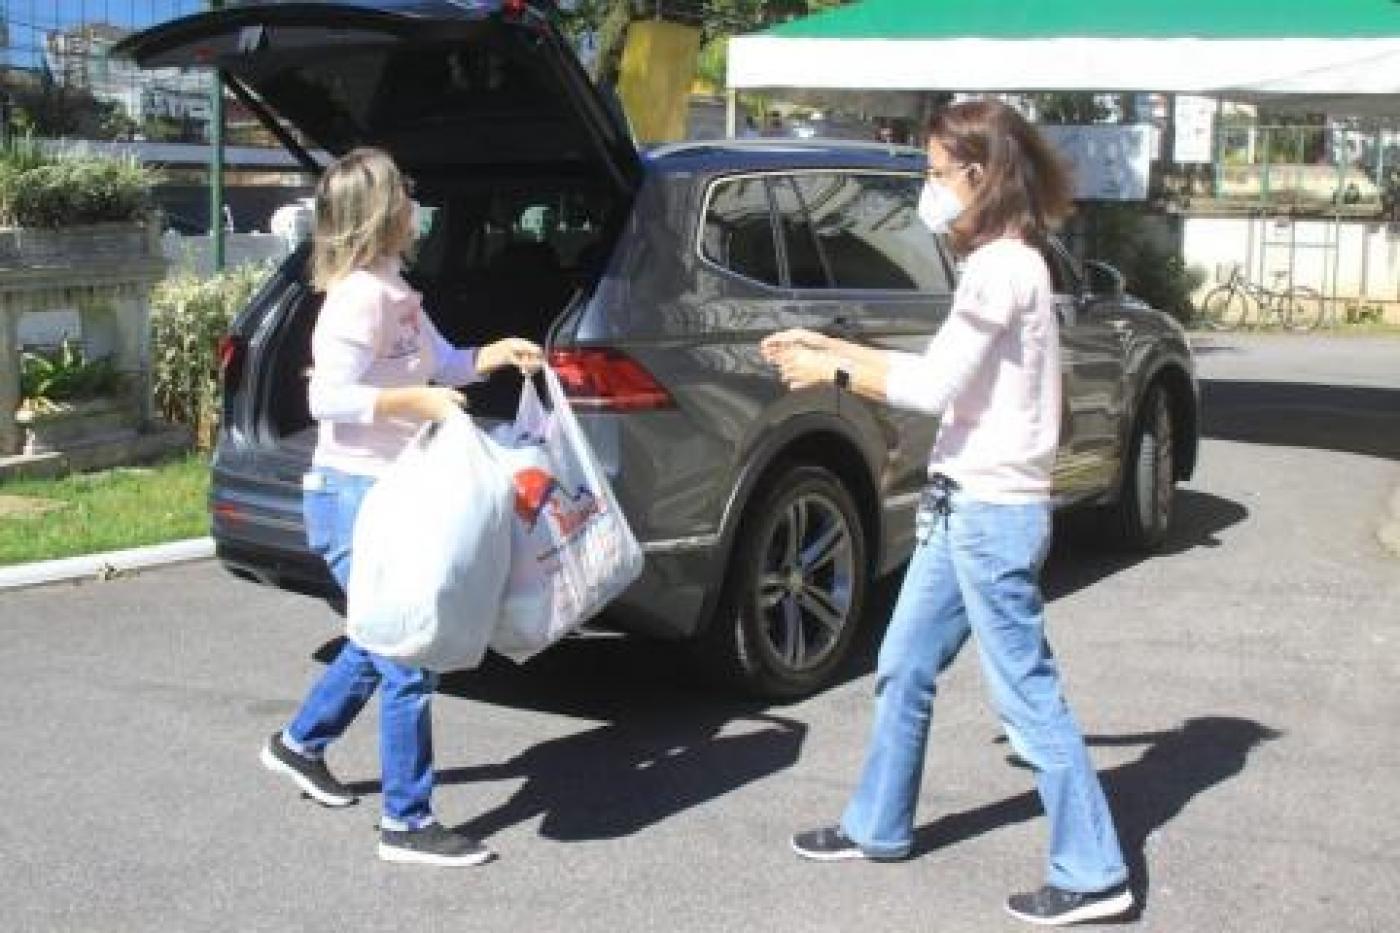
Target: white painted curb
{"points": [[1389, 532], [106, 564]]}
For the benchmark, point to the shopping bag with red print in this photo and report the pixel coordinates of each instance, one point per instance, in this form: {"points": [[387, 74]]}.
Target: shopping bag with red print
{"points": [[572, 551]]}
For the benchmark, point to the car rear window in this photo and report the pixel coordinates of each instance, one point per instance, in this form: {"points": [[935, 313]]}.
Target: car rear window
{"points": [[868, 230], [738, 230]]}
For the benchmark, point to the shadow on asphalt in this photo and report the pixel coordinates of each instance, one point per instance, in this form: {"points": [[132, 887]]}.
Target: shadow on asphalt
{"points": [[663, 744], [1077, 560], [666, 741], [1145, 795], [1349, 419]]}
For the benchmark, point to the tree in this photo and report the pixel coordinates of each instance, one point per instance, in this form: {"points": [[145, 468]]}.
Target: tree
{"points": [[1069, 107], [718, 19]]}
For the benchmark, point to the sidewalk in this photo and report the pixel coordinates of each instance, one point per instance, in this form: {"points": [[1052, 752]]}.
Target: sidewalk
{"points": [[105, 565]]}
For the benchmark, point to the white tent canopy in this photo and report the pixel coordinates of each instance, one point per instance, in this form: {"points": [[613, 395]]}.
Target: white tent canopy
{"points": [[1338, 56]]}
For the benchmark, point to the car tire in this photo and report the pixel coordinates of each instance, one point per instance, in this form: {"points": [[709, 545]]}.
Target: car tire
{"points": [[794, 593], [1141, 517]]}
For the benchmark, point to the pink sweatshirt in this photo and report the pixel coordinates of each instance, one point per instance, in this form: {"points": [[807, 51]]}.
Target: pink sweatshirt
{"points": [[372, 334], [993, 372]]}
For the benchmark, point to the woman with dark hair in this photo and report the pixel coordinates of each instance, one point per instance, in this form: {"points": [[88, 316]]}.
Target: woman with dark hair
{"points": [[992, 373]]}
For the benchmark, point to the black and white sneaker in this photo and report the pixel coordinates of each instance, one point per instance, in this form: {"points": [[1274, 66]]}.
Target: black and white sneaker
{"points": [[830, 844], [310, 774], [434, 844], [1056, 907]]}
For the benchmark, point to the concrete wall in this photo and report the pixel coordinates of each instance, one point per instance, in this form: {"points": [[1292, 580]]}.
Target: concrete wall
{"points": [[1359, 259]]}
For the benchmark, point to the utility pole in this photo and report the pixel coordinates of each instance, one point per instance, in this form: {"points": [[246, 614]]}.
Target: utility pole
{"points": [[216, 162]]}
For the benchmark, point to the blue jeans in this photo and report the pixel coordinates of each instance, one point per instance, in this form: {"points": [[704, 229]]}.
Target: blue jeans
{"points": [[330, 504], [977, 572]]}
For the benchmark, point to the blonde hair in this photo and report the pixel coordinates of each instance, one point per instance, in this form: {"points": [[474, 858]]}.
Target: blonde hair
{"points": [[361, 215]]}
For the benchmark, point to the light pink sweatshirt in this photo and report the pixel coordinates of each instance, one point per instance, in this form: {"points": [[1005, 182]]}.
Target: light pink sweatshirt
{"points": [[372, 334], [993, 372]]}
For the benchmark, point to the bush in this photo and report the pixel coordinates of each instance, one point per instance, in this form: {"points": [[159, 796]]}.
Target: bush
{"points": [[40, 187], [1154, 272], [188, 316], [66, 375]]}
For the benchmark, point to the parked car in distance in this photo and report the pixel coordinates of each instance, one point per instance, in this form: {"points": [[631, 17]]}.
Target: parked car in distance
{"points": [[651, 277]]}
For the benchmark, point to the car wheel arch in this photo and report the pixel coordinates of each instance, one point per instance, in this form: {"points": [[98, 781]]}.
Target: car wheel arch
{"points": [[1183, 401], [809, 439]]}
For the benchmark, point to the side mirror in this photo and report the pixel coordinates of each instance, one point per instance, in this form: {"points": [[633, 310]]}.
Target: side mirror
{"points": [[1103, 281]]}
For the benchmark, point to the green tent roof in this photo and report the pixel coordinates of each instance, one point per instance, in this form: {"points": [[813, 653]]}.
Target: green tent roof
{"points": [[1146, 19]]}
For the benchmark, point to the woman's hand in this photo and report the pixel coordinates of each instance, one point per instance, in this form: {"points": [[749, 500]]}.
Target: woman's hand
{"points": [[512, 351], [800, 367], [804, 358], [419, 403], [775, 345]]}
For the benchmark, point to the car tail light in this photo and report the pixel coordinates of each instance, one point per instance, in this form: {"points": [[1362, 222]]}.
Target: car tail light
{"points": [[228, 513], [230, 353], [603, 379]]}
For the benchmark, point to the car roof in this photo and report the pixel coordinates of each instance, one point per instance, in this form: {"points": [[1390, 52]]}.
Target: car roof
{"points": [[761, 154], [435, 9]]}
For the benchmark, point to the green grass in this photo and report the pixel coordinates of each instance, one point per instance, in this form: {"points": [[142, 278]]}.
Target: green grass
{"points": [[108, 510]]}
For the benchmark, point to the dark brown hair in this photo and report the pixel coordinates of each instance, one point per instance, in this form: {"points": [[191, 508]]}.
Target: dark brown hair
{"points": [[1025, 189]]}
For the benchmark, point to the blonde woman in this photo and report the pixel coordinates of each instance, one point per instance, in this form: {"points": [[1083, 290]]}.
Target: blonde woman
{"points": [[380, 370], [993, 373]]}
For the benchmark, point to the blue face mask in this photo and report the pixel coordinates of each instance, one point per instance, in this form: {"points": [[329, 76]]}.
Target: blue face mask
{"points": [[939, 206]]}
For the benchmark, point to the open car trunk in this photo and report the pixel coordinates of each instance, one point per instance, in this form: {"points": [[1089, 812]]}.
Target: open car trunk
{"points": [[526, 168], [499, 258]]}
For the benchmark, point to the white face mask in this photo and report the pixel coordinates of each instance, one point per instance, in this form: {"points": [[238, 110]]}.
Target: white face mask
{"points": [[938, 206]]}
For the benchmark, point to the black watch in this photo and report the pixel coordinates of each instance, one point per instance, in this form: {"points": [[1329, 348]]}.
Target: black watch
{"points": [[843, 378]]}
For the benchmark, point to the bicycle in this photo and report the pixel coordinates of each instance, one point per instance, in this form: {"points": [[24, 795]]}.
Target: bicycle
{"points": [[1227, 306]]}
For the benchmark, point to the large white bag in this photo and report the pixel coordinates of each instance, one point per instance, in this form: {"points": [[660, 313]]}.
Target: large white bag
{"points": [[572, 551], [430, 550]]}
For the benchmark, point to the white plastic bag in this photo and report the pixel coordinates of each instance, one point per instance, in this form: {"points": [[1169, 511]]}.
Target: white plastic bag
{"points": [[572, 551], [430, 550]]}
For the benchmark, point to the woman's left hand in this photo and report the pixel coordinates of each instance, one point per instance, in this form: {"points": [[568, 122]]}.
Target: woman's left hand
{"points": [[512, 351], [801, 367]]}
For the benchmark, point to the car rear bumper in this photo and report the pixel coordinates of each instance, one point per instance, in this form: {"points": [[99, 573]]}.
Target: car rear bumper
{"points": [[258, 535]]}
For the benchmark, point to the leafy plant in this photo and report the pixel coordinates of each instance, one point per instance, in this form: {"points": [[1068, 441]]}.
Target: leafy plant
{"points": [[66, 375], [42, 187], [1156, 273], [1364, 313], [188, 316]]}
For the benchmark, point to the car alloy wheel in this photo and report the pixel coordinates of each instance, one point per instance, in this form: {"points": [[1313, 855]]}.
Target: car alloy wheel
{"points": [[1143, 512], [805, 589], [794, 591]]}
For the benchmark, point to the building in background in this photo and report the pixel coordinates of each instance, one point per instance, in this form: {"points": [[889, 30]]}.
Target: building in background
{"points": [[59, 81]]}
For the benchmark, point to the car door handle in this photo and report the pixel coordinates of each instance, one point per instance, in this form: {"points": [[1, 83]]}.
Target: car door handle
{"points": [[841, 327]]}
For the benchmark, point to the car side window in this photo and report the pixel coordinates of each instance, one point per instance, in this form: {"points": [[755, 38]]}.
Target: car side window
{"points": [[869, 232], [806, 266], [738, 230]]}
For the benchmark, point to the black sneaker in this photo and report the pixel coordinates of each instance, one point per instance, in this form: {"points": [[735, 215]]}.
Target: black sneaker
{"points": [[829, 844], [1055, 907], [310, 774], [434, 844]]}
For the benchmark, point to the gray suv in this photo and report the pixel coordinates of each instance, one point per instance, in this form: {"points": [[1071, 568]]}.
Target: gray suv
{"points": [[651, 277]]}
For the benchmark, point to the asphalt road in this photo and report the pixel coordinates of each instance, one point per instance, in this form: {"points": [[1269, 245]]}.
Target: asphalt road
{"points": [[1238, 691]]}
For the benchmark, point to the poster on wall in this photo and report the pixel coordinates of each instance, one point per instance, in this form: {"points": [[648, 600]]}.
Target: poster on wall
{"points": [[1195, 123], [1110, 161]]}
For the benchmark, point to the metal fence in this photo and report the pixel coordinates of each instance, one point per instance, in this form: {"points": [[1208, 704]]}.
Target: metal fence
{"points": [[1307, 169]]}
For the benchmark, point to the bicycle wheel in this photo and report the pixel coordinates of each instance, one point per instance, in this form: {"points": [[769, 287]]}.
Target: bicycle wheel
{"points": [[1301, 308], [1224, 309]]}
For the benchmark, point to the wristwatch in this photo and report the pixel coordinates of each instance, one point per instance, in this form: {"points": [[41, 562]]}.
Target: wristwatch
{"points": [[843, 378]]}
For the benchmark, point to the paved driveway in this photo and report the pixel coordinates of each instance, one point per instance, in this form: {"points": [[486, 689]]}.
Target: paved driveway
{"points": [[1238, 691]]}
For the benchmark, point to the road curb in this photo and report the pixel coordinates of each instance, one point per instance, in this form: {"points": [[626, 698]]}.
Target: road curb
{"points": [[105, 565], [1389, 532]]}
